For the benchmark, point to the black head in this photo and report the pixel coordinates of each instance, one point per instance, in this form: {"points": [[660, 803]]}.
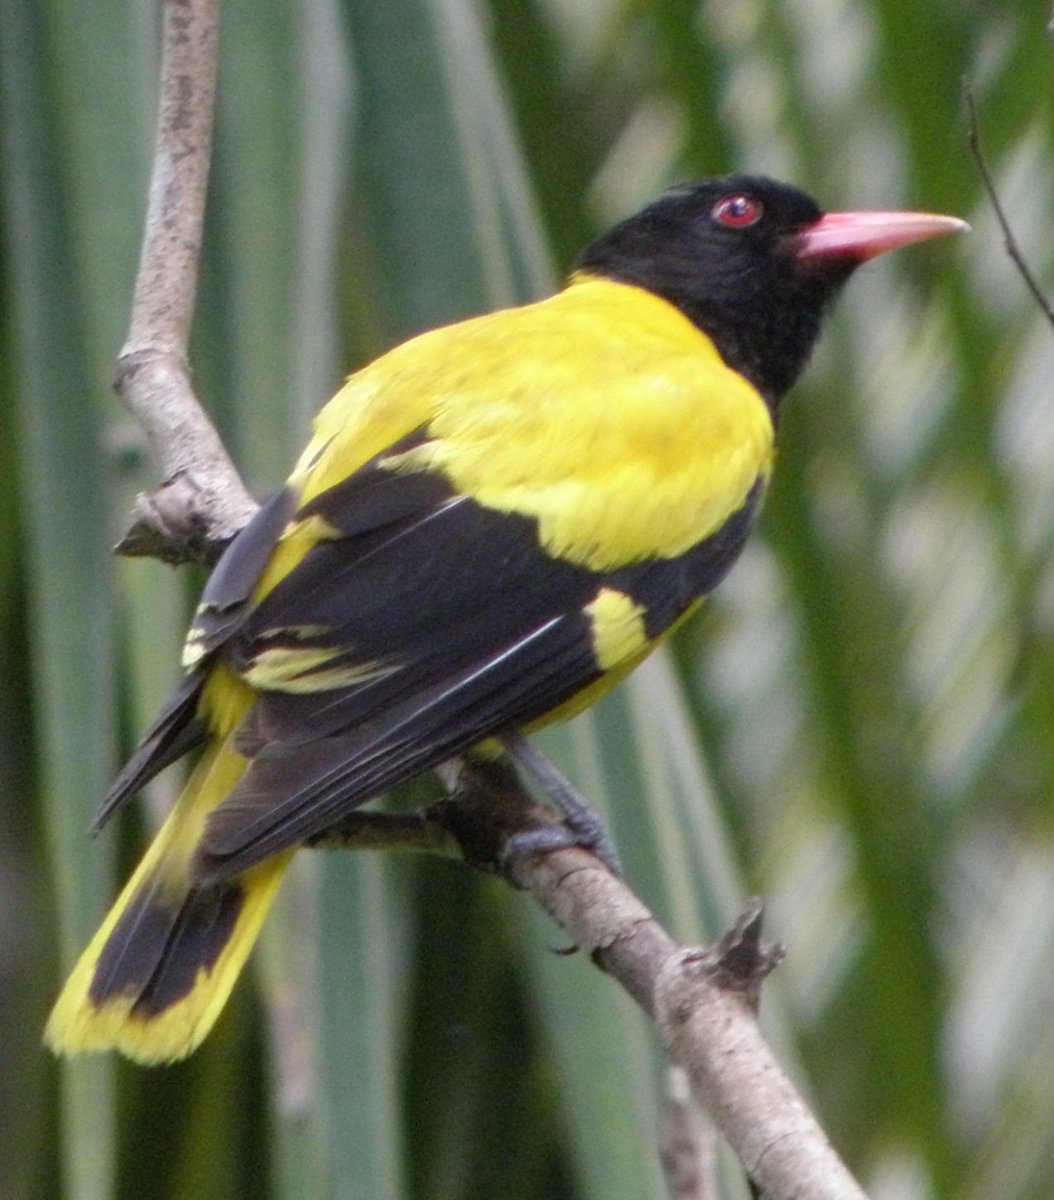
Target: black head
{"points": [[752, 262]]}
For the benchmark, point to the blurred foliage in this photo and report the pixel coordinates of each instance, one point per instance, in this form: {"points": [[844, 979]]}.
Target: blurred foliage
{"points": [[860, 726]]}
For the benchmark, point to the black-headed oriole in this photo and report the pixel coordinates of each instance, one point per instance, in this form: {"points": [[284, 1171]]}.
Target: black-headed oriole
{"points": [[492, 524]]}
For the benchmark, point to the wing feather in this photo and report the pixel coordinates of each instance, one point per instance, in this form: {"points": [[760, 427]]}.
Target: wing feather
{"points": [[478, 630], [292, 791], [177, 730]]}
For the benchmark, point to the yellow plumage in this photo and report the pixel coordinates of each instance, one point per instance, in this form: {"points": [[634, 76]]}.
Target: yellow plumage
{"points": [[79, 1024], [492, 524], [591, 414], [615, 422]]}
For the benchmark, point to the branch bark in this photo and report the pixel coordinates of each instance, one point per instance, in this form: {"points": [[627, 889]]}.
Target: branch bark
{"points": [[202, 502], [686, 1142], [703, 1002]]}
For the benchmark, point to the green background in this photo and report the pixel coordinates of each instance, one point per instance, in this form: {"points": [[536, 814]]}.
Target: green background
{"points": [[860, 726]]}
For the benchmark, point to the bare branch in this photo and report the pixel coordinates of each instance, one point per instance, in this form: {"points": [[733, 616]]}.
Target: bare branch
{"points": [[369, 830], [1009, 241], [203, 501], [686, 1142], [710, 1028], [703, 1001]]}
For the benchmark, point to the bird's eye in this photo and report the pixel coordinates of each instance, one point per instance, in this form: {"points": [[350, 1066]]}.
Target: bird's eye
{"points": [[736, 212]]}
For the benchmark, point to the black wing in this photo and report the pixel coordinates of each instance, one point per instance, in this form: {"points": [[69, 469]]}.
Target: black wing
{"points": [[424, 624], [391, 648], [179, 727], [177, 730]]}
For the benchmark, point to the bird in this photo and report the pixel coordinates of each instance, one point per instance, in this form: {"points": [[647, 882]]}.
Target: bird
{"points": [[492, 524]]}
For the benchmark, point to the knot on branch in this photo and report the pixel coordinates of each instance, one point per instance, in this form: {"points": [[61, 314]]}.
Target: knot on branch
{"points": [[202, 503], [738, 963], [174, 524]]}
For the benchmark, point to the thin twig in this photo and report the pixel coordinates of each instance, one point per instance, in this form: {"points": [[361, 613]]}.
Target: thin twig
{"points": [[1009, 240], [686, 1142], [417, 831], [202, 501]]}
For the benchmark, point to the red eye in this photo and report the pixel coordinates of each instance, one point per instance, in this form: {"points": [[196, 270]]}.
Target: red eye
{"points": [[737, 211]]}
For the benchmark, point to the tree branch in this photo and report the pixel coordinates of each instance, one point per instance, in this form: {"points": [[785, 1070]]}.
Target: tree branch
{"points": [[202, 502], [686, 1142], [1013, 250], [703, 1001]]}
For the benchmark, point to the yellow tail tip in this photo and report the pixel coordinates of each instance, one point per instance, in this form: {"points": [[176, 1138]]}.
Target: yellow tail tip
{"points": [[80, 1028], [158, 972], [162, 1012]]}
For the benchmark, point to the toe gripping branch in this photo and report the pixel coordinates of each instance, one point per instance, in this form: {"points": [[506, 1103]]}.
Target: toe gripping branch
{"points": [[583, 826], [489, 818]]}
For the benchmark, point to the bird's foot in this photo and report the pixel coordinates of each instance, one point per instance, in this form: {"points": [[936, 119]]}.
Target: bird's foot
{"points": [[582, 825]]}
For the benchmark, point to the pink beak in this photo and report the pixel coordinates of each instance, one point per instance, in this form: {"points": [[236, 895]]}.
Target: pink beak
{"points": [[863, 235]]}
